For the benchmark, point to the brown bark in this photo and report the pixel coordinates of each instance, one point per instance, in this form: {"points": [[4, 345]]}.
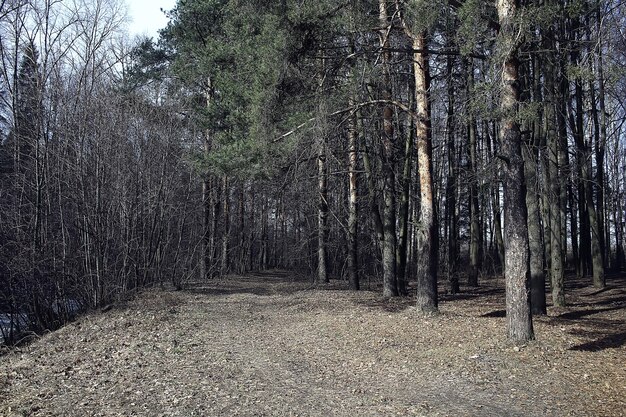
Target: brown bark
{"points": [[475, 232], [537, 277], [427, 236], [560, 151], [451, 217], [591, 254], [601, 143], [322, 213], [353, 272], [225, 262], [530, 153], [205, 253], [557, 263], [596, 212], [403, 221], [516, 263], [387, 138]]}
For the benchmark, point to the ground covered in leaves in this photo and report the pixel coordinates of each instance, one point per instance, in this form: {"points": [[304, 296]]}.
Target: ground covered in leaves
{"points": [[270, 345]]}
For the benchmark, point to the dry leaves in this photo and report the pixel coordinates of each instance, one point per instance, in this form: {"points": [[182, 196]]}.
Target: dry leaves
{"points": [[267, 345]]}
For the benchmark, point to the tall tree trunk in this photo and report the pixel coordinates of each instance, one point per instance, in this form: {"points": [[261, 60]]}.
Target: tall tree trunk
{"points": [[590, 244], [530, 153], [322, 184], [537, 277], [557, 263], [565, 172], [241, 232], [516, 268], [596, 213], [403, 221], [322, 212], [451, 187], [475, 232], [390, 288], [226, 235], [497, 224], [604, 244], [600, 144], [496, 208], [205, 253], [427, 235], [372, 196], [581, 163], [216, 204], [353, 217]]}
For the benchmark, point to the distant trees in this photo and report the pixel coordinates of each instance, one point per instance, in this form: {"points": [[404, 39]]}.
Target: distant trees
{"points": [[94, 198]]}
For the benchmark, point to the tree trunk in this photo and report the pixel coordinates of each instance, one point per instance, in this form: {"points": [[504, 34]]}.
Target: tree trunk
{"points": [[537, 277], [590, 246], [516, 267], [530, 153], [554, 188], [475, 232], [322, 211], [565, 185], [205, 253], [353, 217], [427, 236], [216, 204], [497, 224], [451, 187], [226, 235], [403, 221], [581, 163], [600, 246], [390, 288], [496, 210], [372, 197], [241, 232], [600, 146]]}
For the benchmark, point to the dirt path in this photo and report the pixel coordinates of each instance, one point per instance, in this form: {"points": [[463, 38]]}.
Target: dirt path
{"points": [[266, 346]]}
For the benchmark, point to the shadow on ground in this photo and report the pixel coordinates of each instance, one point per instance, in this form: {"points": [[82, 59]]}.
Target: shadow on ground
{"points": [[611, 341], [390, 305], [266, 283]]}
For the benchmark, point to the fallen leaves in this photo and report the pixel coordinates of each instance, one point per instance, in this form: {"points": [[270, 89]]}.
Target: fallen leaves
{"points": [[228, 348]]}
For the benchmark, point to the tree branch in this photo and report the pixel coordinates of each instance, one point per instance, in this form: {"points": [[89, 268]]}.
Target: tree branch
{"points": [[351, 109]]}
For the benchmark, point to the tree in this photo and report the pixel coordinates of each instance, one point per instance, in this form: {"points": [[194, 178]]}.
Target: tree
{"points": [[390, 283], [427, 234], [516, 258]]}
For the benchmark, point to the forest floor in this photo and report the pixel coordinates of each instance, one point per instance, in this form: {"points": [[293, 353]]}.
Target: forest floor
{"points": [[270, 345]]}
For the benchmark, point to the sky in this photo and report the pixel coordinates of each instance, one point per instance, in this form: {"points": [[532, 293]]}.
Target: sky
{"points": [[146, 16]]}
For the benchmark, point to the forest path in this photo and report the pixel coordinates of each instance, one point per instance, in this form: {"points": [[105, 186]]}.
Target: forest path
{"points": [[269, 345]]}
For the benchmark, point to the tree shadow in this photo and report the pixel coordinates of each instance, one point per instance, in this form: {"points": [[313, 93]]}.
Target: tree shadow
{"points": [[217, 291], [579, 314], [389, 305], [495, 314], [470, 293], [610, 341], [457, 297], [600, 291], [264, 283], [611, 301]]}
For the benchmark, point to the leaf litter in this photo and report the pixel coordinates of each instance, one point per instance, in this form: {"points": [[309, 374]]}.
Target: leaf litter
{"points": [[272, 345]]}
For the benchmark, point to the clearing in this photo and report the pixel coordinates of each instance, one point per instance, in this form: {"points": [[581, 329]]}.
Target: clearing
{"points": [[270, 345]]}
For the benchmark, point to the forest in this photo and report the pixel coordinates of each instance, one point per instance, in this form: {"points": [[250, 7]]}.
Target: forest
{"points": [[415, 148]]}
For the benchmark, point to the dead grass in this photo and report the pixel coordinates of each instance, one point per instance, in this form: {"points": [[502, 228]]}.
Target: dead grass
{"points": [[268, 345]]}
